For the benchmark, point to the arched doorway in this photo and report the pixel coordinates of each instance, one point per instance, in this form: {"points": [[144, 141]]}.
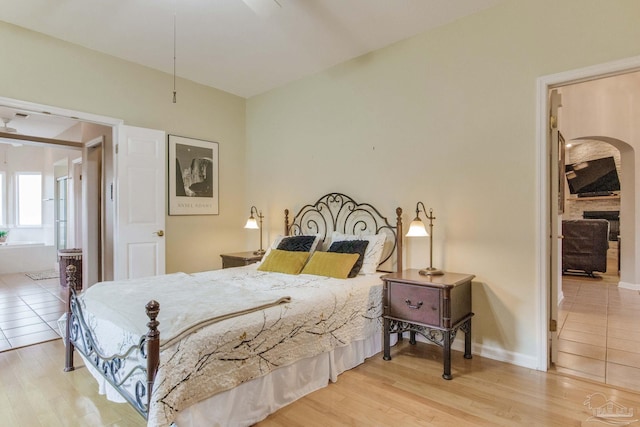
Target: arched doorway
{"points": [[591, 341]]}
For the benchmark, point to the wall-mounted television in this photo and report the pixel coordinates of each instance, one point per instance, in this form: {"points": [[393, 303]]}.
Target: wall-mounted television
{"points": [[597, 177]]}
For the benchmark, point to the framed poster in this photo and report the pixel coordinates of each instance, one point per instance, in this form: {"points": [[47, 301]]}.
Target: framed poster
{"points": [[193, 176]]}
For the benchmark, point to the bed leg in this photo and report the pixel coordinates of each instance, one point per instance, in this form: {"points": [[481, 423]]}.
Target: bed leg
{"points": [[153, 346], [71, 286]]}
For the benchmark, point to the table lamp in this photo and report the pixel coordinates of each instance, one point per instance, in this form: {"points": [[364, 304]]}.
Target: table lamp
{"points": [[418, 229], [252, 223]]}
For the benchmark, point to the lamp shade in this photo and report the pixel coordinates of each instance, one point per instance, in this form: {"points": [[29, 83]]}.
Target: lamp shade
{"points": [[252, 223], [417, 229]]}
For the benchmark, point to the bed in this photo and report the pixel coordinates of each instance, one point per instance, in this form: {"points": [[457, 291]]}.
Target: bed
{"points": [[254, 338]]}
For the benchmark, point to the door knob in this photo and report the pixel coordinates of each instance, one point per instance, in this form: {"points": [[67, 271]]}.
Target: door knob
{"points": [[160, 233]]}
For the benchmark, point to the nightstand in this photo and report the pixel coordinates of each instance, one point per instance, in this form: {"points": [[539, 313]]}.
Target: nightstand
{"points": [[239, 259], [436, 307]]}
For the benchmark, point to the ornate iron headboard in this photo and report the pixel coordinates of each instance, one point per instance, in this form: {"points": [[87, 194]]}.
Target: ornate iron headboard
{"points": [[339, 212]]}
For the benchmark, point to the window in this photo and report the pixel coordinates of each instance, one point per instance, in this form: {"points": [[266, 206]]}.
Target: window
{"points": [[29, 201]]}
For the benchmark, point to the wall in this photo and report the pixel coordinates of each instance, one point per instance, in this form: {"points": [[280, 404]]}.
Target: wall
{"points": [[446, 117], [52, 72]]}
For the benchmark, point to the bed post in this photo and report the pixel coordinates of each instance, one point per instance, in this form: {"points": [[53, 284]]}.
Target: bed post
{"points": [[399, 236], [153, 346], [68, 345], [286, 222]]}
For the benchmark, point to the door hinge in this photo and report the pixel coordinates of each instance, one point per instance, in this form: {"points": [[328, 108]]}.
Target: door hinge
{"points": [[553, 325], [116, 148]]}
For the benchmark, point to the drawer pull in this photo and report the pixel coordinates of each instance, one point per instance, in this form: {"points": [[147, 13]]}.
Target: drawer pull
{"points": [[415, 307]]}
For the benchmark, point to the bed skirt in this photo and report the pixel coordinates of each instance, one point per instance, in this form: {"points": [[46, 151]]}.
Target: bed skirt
{"points": [[254, 400]]}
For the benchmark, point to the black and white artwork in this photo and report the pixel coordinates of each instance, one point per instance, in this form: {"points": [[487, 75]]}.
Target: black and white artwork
{"points": [[193, 176]]}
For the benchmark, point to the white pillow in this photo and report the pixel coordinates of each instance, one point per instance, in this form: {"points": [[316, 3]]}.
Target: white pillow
{"points": [[372, 254]]}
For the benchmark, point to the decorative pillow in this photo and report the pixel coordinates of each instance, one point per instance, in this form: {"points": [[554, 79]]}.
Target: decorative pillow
{"points": [[351, 247], [331, 264], [280, 238], [288, 262], [372, 254], [297, 243]]}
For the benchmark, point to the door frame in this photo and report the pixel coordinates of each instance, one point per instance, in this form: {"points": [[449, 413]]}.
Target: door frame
{"points": [[546, 235]]}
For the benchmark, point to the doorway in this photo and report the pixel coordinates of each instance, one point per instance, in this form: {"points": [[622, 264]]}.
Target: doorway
{"points": [[56, 127], [594, 315], [551, 281]]}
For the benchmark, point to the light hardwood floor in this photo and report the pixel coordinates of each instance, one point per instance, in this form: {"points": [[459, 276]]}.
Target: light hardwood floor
{"points": [[406, 391]]}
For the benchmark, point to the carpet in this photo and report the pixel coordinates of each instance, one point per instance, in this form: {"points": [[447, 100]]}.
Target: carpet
{"points": [[41, 275]]}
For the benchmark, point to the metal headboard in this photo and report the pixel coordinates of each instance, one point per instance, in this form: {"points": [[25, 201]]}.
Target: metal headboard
{"points": [[339, 212]]}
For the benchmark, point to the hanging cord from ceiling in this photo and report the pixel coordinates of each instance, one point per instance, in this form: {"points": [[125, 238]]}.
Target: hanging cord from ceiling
{"points": [[174, 57]]}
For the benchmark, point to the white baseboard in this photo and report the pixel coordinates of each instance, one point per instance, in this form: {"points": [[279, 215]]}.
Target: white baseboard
{"points": [[503, 355], [632, 286], [494, 353]]}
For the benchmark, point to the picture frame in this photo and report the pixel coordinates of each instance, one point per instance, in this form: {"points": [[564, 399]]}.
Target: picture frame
{"points": [[193, 176]]}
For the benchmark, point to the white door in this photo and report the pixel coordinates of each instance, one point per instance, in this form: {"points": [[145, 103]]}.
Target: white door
{"points": [[140, 203], [556, 192]]}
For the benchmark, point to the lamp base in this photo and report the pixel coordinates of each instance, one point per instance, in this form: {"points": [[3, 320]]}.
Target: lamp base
{"points": [[430, 271], [259, 252]]}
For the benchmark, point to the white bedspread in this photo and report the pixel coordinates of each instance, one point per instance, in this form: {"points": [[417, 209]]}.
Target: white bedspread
{"points": [[189, 302], [323, 314]]}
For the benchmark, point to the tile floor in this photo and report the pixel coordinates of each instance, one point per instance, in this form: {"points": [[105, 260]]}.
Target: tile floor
{"points": [[599, 329], [29, 310]]}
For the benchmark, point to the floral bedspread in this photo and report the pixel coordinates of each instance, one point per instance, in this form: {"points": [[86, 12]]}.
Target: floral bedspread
{"points": [[323, 314]]}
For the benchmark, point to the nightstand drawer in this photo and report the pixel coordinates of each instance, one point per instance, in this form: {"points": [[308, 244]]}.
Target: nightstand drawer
{"points": [[418, 304]]}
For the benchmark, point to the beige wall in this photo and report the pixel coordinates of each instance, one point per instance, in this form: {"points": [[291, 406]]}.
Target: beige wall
{"points": [[447, 117], [47, 71]]}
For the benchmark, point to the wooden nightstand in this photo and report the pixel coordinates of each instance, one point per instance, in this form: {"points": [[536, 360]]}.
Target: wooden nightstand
{"points": [[239, 259], [433, 306]]}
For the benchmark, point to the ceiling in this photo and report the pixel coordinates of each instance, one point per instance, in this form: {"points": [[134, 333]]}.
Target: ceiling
{"points": [[31, 123], [244, 47]]}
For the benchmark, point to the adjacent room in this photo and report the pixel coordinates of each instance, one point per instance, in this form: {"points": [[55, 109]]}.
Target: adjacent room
{"points": [[283, 212], [597, 304]]}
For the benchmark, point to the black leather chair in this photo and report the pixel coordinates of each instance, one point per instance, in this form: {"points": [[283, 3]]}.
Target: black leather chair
{"points": [[584, 246]]}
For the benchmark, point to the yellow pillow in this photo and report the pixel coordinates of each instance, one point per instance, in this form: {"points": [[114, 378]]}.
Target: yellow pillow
{"points": [[331, 264], [280, 261]]}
